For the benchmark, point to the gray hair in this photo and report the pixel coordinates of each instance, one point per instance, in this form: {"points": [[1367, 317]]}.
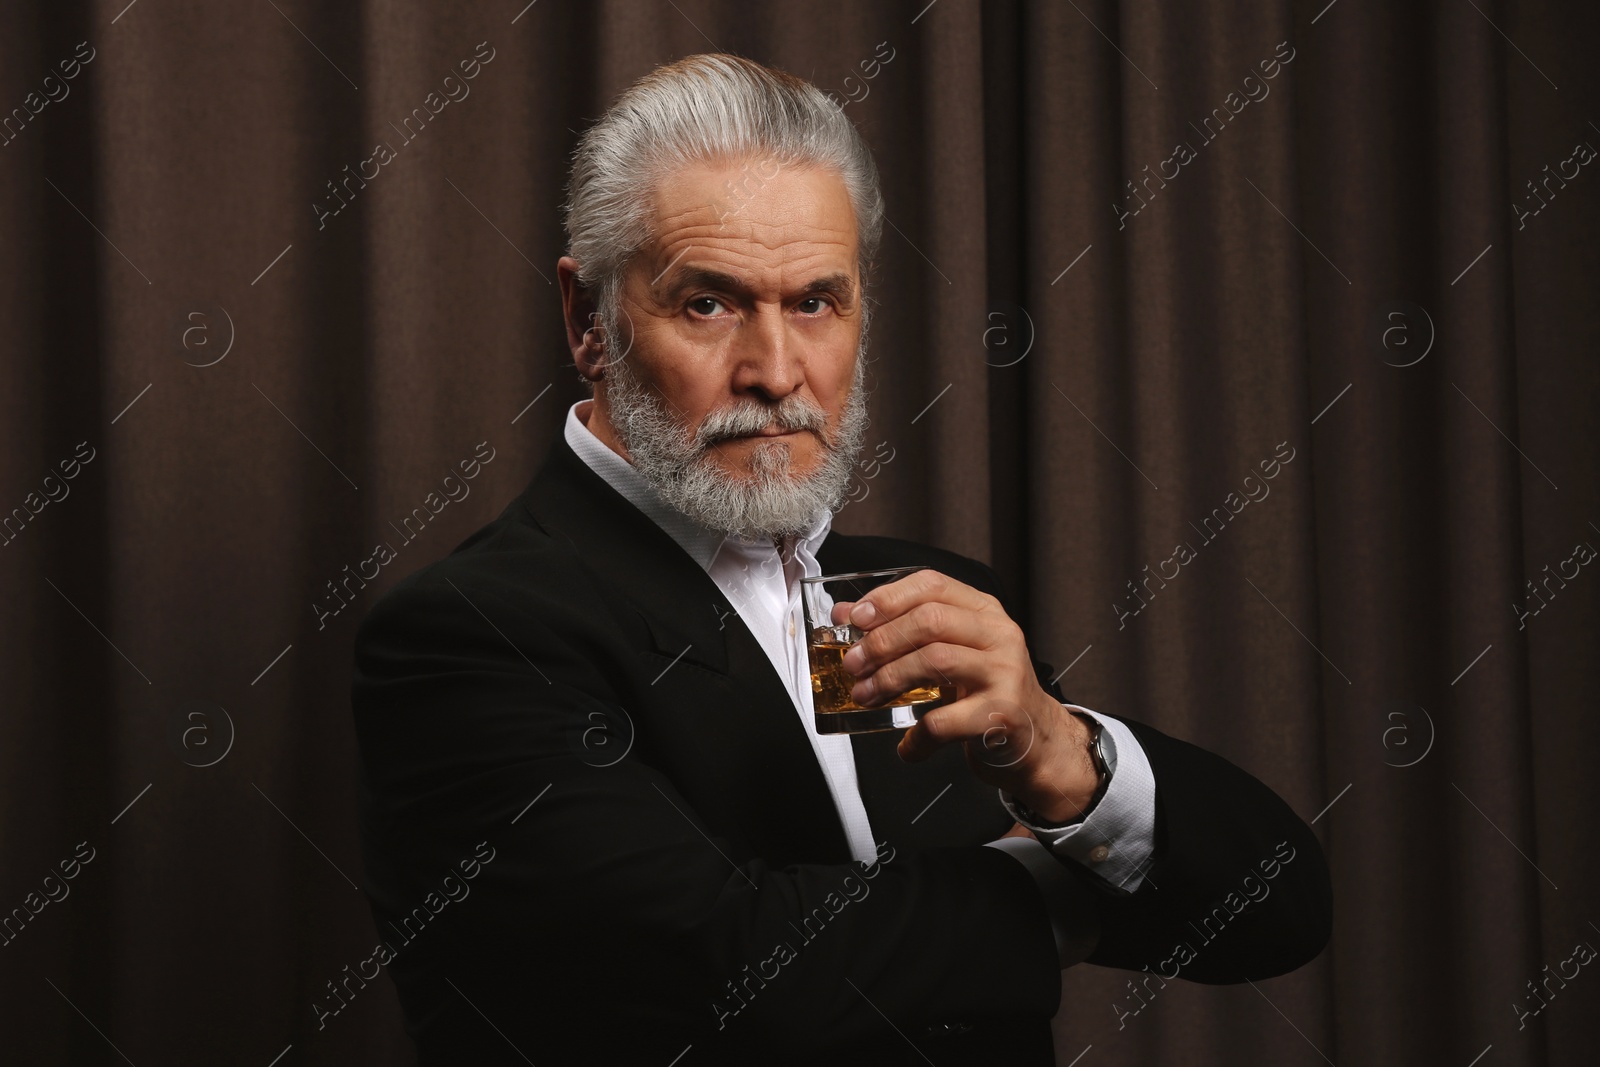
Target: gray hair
{"points": [[703, 109]]}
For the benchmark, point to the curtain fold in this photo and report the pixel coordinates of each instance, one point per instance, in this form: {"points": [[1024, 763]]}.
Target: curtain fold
{"points": [[1253, 344]]}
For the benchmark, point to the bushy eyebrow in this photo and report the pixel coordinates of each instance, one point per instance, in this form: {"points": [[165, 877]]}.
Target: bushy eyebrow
{"points": [[837, 284]]}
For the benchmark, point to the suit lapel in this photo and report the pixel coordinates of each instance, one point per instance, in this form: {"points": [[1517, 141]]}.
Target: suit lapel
{"points": [[690, 620], [679, 602]]}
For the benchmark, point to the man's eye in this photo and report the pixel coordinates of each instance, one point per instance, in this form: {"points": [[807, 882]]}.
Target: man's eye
{"points": [[705, 305], [819, 302]]}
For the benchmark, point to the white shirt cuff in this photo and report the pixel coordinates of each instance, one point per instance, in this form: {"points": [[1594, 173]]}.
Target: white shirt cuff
{"points": [[1116, 840]]}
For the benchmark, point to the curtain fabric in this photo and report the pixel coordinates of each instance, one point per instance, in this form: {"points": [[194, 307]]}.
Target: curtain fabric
{"points": [[1253, 343]]}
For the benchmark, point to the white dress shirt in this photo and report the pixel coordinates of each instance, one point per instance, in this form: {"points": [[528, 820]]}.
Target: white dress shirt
{"points": [[1115, 840]]}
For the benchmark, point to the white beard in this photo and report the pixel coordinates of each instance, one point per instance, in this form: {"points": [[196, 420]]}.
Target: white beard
{"points": [[768, 503]]}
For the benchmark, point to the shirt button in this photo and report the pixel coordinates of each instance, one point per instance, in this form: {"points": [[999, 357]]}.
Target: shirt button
{"points": [[1098, 854]]}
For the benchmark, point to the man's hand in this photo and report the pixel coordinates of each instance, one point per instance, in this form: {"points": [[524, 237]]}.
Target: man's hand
{"points": [[929, 629]]}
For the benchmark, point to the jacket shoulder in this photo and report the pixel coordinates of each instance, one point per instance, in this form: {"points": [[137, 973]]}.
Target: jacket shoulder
{"points": [[508, 560]]}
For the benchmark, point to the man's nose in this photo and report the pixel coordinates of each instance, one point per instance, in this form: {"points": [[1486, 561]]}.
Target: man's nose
{"points": [[770, 362]]}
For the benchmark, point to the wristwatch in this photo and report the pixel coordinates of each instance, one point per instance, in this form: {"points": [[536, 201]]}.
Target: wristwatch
{"points": [[1103, 766]]}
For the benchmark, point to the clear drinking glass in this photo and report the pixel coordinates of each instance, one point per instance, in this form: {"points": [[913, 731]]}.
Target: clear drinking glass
{"points": [[827, 642]]}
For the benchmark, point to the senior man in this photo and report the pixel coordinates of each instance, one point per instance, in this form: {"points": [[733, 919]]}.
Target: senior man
{"points": [[598, 824]]}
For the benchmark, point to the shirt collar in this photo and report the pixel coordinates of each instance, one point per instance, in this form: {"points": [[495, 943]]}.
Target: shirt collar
{"points": [[701, 542]]}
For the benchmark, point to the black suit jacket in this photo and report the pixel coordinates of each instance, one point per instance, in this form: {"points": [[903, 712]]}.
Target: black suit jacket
{"points": [[595, 832]]}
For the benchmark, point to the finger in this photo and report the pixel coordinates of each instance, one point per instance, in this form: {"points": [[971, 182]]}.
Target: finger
{"points": [[936, 664], [925, 624], [893, 599], [928, 735], [1000, 733]]}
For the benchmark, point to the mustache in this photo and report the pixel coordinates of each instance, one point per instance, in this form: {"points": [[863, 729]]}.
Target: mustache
{"points": [[794, 412]]}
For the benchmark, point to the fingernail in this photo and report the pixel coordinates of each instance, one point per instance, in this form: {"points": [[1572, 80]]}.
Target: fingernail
{"points": [[864, 614]]}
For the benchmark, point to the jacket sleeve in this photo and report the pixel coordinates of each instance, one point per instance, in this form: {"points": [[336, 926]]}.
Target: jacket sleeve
{"points": [[1237, 887], [484, 720]]}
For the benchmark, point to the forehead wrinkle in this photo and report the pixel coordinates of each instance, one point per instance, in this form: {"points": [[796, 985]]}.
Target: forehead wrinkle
{"points": [[724, 255], [805, 236], [775, 236], [795, 272]]}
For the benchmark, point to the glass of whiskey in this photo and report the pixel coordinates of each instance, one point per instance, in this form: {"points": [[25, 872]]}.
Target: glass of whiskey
{"points": [[828, 641]]}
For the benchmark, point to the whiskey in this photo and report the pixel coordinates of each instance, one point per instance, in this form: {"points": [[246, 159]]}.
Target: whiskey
{"points": [[837, 713], [828, 641]]}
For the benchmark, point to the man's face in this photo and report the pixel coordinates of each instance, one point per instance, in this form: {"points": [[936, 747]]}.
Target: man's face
{"points": [[736, 381]]}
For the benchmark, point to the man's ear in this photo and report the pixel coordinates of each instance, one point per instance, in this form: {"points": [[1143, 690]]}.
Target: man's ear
{"points": [[582, 317]]}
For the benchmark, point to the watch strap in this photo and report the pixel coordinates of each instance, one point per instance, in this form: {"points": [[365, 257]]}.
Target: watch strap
{"points": [[1097, 755]]}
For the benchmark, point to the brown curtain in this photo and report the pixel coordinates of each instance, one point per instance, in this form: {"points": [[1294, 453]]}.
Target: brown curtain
{"points": [[1128, 274]]}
